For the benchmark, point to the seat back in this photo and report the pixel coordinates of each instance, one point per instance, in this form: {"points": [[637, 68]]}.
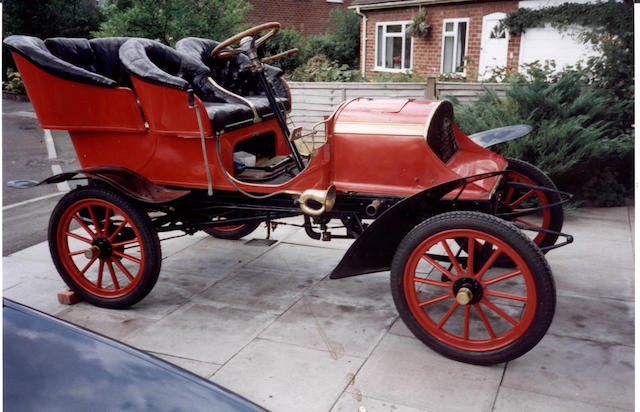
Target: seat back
{"points": [[231, 73], [63, 80], [161, 77]]}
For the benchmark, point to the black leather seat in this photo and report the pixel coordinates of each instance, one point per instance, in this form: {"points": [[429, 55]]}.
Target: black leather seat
{"points": [[154, 62], [71, 59], [231, 74]]}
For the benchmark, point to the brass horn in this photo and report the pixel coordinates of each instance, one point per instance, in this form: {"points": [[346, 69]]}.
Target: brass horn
{"points": [[326, 199]]}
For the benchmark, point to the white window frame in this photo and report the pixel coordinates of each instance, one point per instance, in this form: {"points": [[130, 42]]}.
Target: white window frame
{"points": [[455, 42], [403, 24]]}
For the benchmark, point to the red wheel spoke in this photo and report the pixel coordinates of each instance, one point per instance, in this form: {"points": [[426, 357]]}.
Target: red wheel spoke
{"points": [[125, 256], [526, 222], [73, 235], [507, 198], [126, 242], [100, 270], [440, 268], [502, 277], [447, 315], [471, 250], [522, 199], [85, 227], [465, 333], [116, 285], [436, 299], [488, 263], [79, 252], [485, 321], [432, 282], [118, 229], [497, 294], [499, 311], [88, 266], [452, 258], [105, 232], [123, 269], [94, 220]]}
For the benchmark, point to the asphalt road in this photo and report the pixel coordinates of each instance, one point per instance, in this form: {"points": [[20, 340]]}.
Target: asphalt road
{"points": [[25, 212]]}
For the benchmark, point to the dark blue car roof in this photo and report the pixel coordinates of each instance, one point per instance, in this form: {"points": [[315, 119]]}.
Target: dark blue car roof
{"points": [[53, 365]]}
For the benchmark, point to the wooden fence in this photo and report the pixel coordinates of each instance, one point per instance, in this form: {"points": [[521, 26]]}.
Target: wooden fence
{"points": [[313, 101]]}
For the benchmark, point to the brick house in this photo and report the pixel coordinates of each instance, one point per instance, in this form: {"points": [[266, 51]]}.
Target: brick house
{"points": [[465, 38], [311, 14]]}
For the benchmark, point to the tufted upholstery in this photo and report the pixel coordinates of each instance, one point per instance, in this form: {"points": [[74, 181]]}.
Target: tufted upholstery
{"points": [[231, 73], [74, 59]]}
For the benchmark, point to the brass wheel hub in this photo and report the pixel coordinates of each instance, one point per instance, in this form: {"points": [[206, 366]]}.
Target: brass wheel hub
{"points": [[467, 291]]}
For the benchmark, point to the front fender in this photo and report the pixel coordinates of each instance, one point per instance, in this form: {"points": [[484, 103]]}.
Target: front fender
{"points": [[124, 180], [501, 134], [373, 250]]}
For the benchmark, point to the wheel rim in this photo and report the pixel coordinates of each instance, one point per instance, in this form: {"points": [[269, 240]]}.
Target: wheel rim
{"points": [[230, 228], [100, 248], [502, 302], [516, 199]]}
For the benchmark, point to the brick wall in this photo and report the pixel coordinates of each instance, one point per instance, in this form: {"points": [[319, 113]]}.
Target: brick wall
{"points": [[311, 14], [427, 52]]}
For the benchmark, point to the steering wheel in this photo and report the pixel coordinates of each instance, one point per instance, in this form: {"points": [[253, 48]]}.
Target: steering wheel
{"points": [[219, 51]]}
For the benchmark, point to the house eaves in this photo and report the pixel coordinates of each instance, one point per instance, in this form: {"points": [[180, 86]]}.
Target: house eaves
{"points": [[375, 5]]}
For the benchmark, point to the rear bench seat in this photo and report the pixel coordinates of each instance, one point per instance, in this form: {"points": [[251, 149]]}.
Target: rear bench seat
{"points": [[77, 84]]}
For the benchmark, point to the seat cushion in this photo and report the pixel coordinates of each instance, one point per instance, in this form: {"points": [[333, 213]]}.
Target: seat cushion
{"points": [[108, 60], [75, 51]]}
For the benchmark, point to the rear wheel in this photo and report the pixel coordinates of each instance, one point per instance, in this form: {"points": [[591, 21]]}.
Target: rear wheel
{"points": [[485, 313], [105, 249], [232, 232]]}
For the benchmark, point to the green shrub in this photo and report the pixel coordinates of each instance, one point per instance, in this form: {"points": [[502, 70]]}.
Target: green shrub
{"points": [[14, 82], [321, 69], [578, 138], [341, 42], [286, 39]]}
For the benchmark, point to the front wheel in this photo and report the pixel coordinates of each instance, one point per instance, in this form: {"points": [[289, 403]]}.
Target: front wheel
{"points": [[483, 313], [104, 247], [232, 232]]}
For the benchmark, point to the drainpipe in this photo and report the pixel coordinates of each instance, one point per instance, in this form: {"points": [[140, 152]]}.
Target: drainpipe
{"points": [[363, 53]]}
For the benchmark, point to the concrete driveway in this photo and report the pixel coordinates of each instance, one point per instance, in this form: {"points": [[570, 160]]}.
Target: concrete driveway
{"points": [[267, 323]]}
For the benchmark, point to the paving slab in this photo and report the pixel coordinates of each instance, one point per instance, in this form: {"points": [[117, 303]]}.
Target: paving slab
{"points": [[203, 369], [510, 400], [116, 324], [287, 378], [592, 372], [41, 294], [17, 270], [298, 260], [250, 289], [367, 290], [597, 319], [202, 332], [350, 402], [402, 370], [340, 329], [583, 277]]}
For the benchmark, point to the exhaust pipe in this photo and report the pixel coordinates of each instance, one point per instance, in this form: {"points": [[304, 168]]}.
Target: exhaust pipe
{"points": [[326, 199], [372, 208]]}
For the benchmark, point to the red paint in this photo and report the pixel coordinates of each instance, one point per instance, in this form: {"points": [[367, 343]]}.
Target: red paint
{"points": [[434, 319], [67, 105]]}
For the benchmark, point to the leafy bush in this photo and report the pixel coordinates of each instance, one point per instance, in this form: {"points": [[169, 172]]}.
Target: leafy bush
{"points": [[288, 38], [14, 82], [171, 20], [578, 135], [341, 42], [320, 69], [399, 77]]}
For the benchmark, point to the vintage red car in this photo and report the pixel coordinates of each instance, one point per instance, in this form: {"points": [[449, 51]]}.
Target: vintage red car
{"points": [[196, 138]]}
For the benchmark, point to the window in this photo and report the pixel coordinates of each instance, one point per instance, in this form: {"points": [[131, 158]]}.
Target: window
{"points": [[393, 46], [454, 45]]}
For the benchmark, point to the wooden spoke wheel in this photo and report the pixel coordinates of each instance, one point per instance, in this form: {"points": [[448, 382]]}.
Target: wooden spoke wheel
{"points": [[105, 249], [518, 199], [483, 313], [232, 232]]}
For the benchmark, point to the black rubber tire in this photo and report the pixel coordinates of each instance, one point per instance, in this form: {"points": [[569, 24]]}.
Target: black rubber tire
{"points": [[556, 217], [148, 239], [523, 246], [235, 234]]}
